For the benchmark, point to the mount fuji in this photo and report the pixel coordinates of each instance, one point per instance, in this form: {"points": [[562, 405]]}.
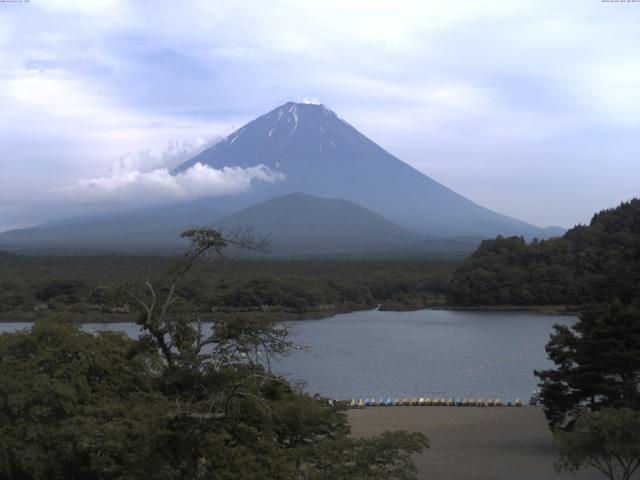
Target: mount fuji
{"points": [[320, 154], [338, 192]]}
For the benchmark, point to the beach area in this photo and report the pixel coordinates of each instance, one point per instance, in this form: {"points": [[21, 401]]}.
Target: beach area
{"points": [[488, 443]]}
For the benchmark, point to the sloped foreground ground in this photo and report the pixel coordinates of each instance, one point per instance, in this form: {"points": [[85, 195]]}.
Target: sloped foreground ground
{"points": [[474, 443]]}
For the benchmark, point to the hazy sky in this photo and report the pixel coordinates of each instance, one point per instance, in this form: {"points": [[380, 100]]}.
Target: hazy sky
{"points": [[530, 108]]}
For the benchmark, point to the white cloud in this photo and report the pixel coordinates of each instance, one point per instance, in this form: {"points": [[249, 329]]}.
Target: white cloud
{"points": [[309, 101], [176, 153], [136, 188]]}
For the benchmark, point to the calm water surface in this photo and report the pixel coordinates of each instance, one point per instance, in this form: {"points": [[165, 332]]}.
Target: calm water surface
{"points": [[430, 353]]}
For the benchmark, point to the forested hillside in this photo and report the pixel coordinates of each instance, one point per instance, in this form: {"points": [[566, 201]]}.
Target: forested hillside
{"points": [[588, 264]]}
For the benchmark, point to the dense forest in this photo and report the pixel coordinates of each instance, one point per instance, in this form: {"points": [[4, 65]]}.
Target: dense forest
{"points": [[33, 286], [588, 264]]}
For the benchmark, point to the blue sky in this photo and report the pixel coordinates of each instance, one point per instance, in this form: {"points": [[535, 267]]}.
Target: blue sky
{"points": [[529, 107]]}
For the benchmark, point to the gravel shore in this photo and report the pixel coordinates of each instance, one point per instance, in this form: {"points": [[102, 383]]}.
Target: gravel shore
{"points": [[471, 443]]}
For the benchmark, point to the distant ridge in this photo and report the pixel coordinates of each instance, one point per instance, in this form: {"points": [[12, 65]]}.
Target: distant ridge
{"points": [[146, 230]]}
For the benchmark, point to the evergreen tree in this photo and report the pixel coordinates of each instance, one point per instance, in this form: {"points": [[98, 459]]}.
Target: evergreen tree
{"points": [[597, 362]]}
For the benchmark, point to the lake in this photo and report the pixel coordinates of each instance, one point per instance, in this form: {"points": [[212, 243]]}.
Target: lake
{"points": [[426, 353]]}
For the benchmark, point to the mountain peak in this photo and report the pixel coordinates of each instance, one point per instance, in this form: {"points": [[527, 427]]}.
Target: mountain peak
{"points": [[281, 137], [297, 109], [320, 154], [312, 104]]}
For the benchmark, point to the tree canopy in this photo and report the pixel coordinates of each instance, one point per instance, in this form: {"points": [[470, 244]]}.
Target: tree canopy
{"points": [[597, 362], [185, 400], [608, 440], [588, 264]]}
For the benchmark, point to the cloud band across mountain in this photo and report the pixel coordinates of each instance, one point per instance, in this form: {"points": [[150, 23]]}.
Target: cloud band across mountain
{"points": [[159, 185]]}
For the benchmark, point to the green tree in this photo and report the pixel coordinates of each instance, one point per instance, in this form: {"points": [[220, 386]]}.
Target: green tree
{"points": [[185, 400], [385, 457], [587, 264], [597, 363], [608, 440], [76, 406]]}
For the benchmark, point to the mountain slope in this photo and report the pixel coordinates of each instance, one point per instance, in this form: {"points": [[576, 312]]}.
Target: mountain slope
{"points": [[321, 154]]}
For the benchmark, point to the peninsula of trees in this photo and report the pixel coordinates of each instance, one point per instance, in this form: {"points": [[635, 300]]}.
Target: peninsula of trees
{"points": [[590, 263]]}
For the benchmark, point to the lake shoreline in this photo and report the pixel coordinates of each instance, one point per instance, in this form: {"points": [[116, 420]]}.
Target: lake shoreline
{"points": [[552, 310], [283, 316]]}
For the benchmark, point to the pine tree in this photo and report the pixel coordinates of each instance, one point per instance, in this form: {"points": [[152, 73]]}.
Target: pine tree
{"points": [[597, 363]]}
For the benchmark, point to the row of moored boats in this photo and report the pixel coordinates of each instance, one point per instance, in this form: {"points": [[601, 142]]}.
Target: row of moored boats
{"points": [[433, 402]]}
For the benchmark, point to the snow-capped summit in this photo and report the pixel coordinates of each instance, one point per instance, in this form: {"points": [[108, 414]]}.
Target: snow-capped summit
{"points": [[278, 138]]}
